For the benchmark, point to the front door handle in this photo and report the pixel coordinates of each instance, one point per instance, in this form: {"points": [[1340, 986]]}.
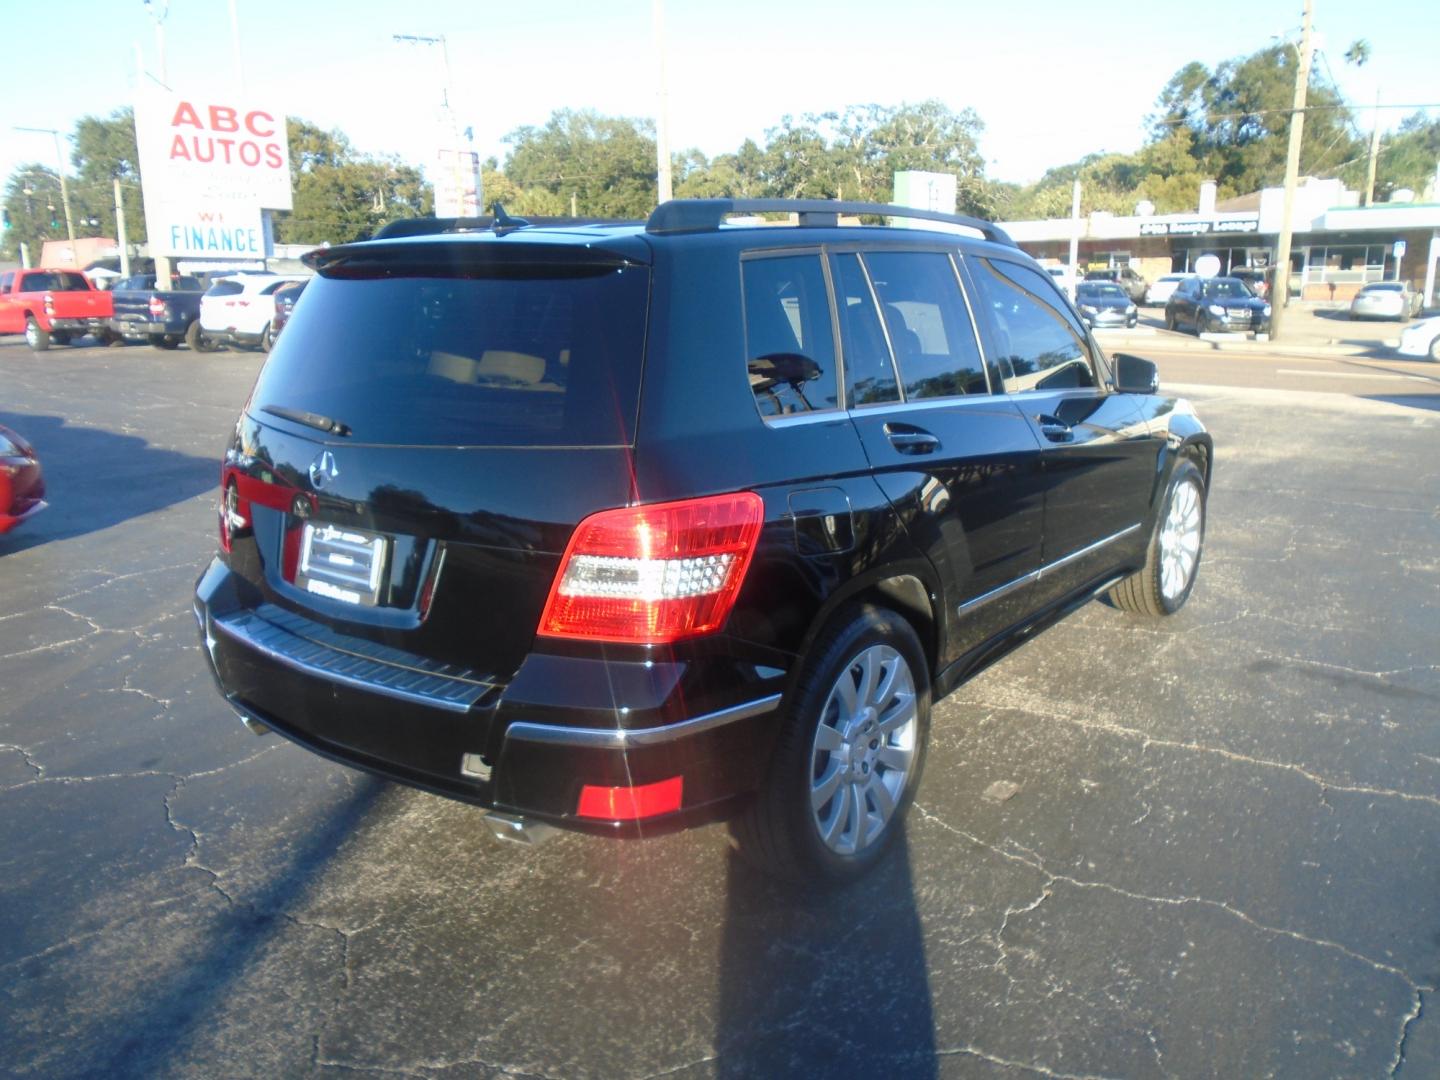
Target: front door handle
{"points": [[911, 440], [1055, 429]]}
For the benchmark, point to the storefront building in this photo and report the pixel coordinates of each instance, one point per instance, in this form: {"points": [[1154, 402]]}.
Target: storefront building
{"points": [[1337, 246]]}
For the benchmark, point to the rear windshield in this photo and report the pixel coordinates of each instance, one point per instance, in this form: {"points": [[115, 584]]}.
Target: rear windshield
{"points": [[1393, 287], [53, 281], [531, 356], [225, 288]]}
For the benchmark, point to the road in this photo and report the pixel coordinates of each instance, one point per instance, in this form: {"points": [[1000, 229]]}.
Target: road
{"points": [[1210, 851], [1410, 382]]}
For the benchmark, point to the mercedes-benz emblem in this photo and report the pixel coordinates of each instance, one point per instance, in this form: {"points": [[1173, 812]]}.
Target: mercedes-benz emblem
{"points": [[323, 469]]}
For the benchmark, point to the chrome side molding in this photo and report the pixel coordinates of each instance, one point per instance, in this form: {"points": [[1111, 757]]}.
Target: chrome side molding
{"points": [[1049, 568], [623, 738]]}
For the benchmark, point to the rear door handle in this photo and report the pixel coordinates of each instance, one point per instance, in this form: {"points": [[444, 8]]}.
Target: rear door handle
{"points": [[1054, 429], [911, 440]]}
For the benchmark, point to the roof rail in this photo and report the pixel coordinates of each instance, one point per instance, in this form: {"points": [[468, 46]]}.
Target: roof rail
{"points": [[706, 215], [430, 226]]}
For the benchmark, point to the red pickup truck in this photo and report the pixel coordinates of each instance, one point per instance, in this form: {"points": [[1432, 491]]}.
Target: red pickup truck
{"points": [[52, 305]]}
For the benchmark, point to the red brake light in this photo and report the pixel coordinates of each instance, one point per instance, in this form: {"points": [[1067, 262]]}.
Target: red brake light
{"points": [[631, 803], [654, 574]]}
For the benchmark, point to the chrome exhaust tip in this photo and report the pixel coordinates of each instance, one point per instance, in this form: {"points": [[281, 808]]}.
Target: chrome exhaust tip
{"points": [[518, 830], [251, 722]]}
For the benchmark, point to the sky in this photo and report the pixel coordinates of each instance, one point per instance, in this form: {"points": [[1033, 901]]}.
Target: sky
{"points": [[1052, 80]]}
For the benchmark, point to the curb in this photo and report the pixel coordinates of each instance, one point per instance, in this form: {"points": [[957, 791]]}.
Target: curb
{"points": [[1215, 343]]}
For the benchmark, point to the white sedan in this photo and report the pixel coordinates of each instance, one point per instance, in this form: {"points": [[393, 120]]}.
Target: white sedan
{"points": [[1421, 339], [1385, 300]]}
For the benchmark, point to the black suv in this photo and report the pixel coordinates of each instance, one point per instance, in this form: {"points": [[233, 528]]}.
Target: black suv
{"points": [[628, 527]]}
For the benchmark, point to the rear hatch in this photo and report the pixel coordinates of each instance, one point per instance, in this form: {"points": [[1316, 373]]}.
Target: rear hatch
{"points": [[435, 421], [217, 305]]}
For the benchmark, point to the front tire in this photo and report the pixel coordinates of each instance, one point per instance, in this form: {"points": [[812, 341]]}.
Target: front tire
{"points": [[1173, 557], [849, 755], [1435, 350], [267, 339], [1170, 323], [36, 336]]}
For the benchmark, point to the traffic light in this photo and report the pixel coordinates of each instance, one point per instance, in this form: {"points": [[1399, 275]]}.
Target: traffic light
{"points": [[54, 221], [7, 218]]}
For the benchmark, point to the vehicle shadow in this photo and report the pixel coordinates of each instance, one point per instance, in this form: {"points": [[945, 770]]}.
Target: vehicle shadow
{"points": [[96, 478], [824, 983], [159, 1028]]}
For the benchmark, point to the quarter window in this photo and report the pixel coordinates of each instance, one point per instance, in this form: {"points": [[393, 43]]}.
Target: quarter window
{"points": [[869, 369], [1037, 344], [929, 327], [789, 342]]}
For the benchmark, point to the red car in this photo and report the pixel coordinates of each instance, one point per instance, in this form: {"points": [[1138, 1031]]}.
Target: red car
{"points": [[22, 485]]}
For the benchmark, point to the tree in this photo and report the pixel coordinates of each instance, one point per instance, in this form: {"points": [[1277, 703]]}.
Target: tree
{"points": [[104, 151], [1408, 159], [30, 193], [340, 195], [1239, 115], [607, 163]]}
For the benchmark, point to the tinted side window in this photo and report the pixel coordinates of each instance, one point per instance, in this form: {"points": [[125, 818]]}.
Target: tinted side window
{"points": [[930, 329], [6, 280], [1036, 342], [789, 342], [869, 370]]}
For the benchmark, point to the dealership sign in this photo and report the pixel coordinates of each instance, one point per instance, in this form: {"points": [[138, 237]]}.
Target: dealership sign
{"points": [[209, 165], [1199, 226], [207, 233]]}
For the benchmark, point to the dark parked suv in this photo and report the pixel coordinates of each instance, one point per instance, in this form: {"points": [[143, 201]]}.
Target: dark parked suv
{"points": [[628, 527]]}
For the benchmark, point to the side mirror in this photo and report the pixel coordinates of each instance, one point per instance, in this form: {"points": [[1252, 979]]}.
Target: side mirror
{"points": [[1134, 375]]}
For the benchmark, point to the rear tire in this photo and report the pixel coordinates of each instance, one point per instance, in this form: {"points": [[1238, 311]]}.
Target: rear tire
{"points": [[266, 340], [1169, 320], [196, 339], [1172, 561], [36, 336], [849, 754], [1435, 350]]}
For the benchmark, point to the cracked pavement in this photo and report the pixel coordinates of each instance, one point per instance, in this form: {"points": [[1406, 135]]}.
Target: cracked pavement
{"points": [[1217, 859]]}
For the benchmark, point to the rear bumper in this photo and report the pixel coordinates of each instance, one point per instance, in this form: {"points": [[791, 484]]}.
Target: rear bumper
{"points": [[525, 746], [231, 336], [81, 325], [10, 521], [138, 329]]}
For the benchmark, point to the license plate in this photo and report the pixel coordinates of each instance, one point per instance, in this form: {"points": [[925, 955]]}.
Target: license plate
{"points": [[342, 563]]}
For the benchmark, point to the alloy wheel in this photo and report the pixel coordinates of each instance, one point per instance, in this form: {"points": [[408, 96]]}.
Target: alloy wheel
{"points": [[1180, 540], [864, 750]]}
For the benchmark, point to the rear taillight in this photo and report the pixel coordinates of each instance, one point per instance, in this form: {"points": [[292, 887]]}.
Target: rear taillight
{"points": [[157, 308], [654, 574]]}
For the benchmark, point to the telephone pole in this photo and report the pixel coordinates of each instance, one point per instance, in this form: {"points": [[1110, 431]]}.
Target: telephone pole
{"points": [[1280, 294], [662, 121]]}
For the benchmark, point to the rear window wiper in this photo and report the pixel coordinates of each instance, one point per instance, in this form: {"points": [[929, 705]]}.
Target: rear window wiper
{"points": [[309, 419]]}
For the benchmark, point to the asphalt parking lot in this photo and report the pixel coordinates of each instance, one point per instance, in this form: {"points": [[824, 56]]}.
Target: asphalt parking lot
{"points": [[1202, 847]]}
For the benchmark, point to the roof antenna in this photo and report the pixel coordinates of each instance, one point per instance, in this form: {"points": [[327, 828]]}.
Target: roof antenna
{"points": [[504, 222]]}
